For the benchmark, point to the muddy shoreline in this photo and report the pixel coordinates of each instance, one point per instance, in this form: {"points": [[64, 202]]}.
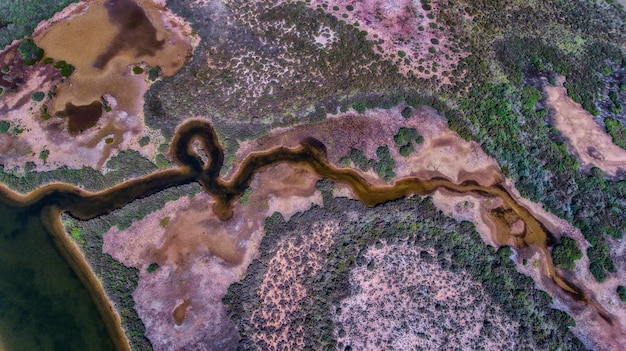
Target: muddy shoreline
{"points": [[54, 199]]}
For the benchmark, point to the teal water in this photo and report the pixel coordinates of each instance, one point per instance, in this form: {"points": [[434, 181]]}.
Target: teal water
{"points": [[43, 304]]}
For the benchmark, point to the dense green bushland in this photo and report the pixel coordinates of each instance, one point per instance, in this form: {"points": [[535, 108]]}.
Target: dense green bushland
{"points": [[617, 131], [126, 165], [18, 18], [566, 253], [416, 221]]}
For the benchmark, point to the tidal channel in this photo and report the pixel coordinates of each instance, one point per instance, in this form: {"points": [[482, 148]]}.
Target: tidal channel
{"points": [[53, 199]]}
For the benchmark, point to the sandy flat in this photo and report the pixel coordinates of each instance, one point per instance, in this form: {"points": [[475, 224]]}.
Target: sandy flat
{"points": [[586, 139]]}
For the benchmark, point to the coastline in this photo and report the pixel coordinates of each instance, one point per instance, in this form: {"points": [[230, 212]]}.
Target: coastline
{"points": [[51, 218]]}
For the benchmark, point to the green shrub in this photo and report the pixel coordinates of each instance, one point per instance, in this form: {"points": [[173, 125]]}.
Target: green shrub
{"points": [[566, 253], [4, 126], [65, 68], [617, 131], [385, 166], [152, 267], [38, 96], [44, 113], [406, 135], [359, 106], [407, 112], [154, 73], [145, 140], [43, 155], [406, 150], [360, 160], [31, 53], [621, 292]]}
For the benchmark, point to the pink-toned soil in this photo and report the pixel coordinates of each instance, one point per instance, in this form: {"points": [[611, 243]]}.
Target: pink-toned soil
{"points": [[79, 35], [200, 256], [586, 139], [394, 306], [195, 241], [281, 290]]}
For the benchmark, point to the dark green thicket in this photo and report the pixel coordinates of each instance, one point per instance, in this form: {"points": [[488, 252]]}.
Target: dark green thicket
{"points": [[152, 267], [65, 68], [126, 165], [118, 280], [18, 18], [38, 96], [617, 131], [621, 292], [566, 253], [418, 222], [31, 53], [4, 126]]}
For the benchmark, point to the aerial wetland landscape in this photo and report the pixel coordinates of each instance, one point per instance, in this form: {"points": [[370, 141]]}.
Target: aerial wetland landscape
{"points": [[312, 175]]}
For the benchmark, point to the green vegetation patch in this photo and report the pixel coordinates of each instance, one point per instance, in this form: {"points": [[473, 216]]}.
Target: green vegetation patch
{"points": [[566, 253], [405, 139], [154, 73], [38, 96], [44, 113], [621, 292], [245, 195], [152, 267], [617, 131], [145, 140], [65, 68], [31, 53], [137, 70], [43, 155], [4, 126], [385, 166]]}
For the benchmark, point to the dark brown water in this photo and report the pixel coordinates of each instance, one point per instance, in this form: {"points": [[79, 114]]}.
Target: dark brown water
{"points": [[312, 154], [136, 31], [81, 118]]}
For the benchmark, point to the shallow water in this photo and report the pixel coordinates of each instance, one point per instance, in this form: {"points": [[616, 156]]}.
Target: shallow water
{"points": [[43, 304]]}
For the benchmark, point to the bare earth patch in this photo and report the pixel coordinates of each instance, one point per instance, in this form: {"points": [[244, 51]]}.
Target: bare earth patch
{"points": [[586, 139], [111, 63]]}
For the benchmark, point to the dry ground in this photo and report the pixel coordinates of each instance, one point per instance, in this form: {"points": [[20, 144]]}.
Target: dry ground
{"points": [[194, 242], [586, 139], [82, 34], [200, 256]]}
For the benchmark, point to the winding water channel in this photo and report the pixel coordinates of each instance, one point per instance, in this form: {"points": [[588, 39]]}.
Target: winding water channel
{"points": [[53, 199]]}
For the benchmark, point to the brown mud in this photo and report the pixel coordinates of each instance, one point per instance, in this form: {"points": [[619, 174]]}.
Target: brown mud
{"points": [[311, 155]]}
